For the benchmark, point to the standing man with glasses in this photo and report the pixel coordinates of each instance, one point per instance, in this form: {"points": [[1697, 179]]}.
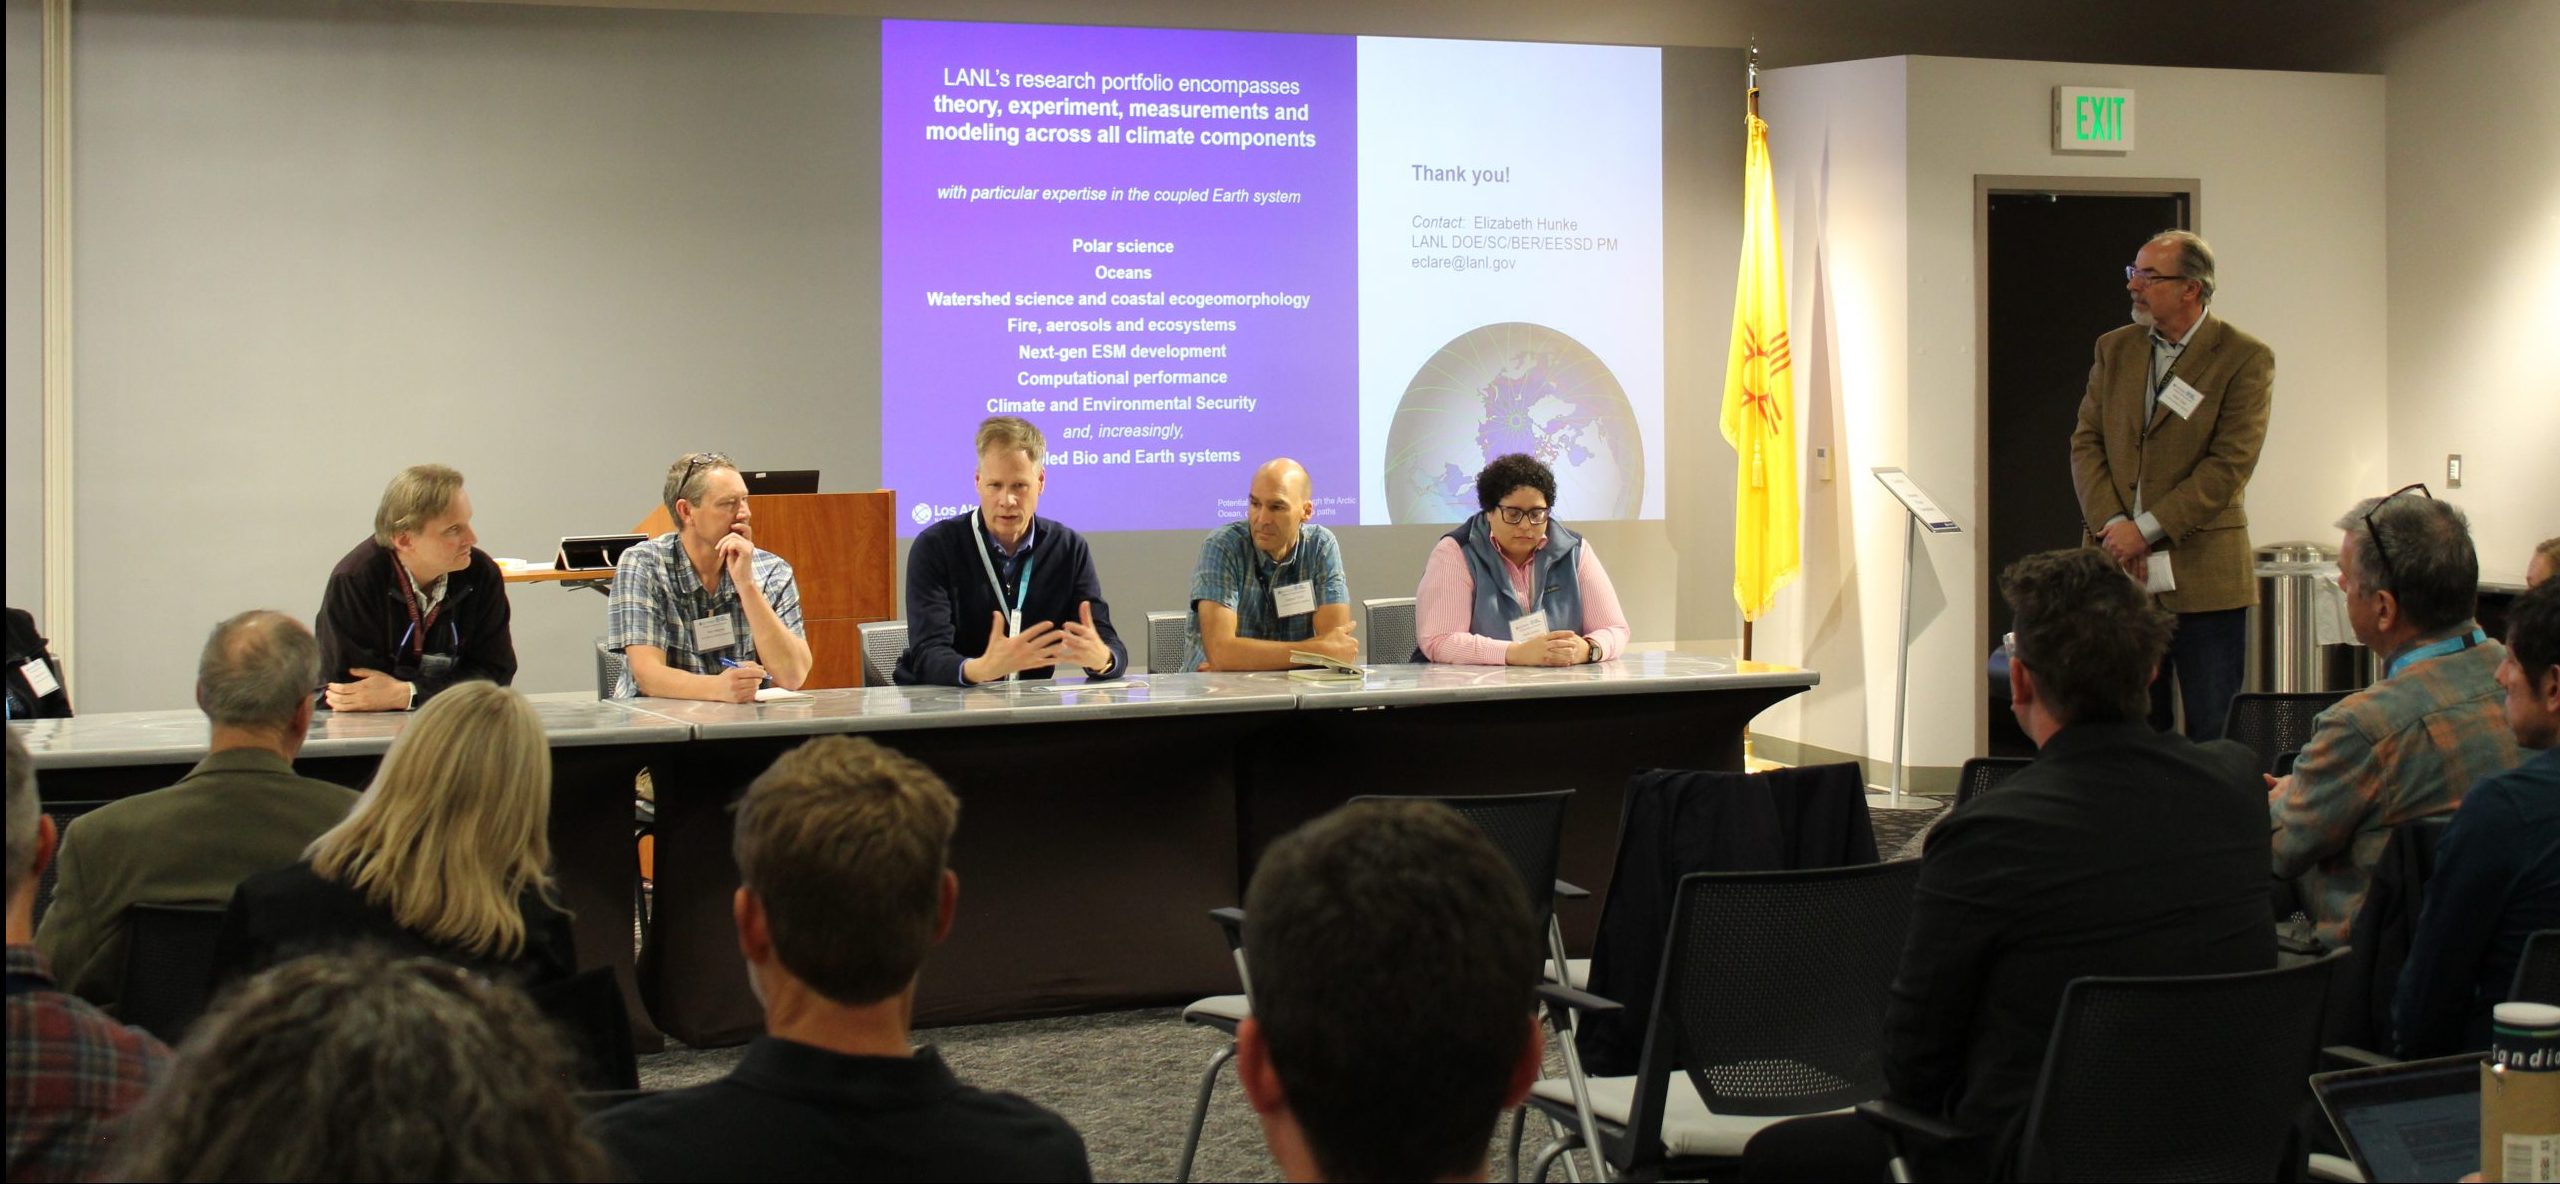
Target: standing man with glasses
{"points": [[2169, 433], [700, 612], [2409, 745]]}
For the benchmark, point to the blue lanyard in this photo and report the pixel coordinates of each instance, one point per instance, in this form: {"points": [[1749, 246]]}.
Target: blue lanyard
{"points": [[2434, 649], [1022, 587]]}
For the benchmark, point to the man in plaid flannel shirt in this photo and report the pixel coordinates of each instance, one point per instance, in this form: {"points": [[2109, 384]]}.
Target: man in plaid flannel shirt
{"points": [[72, 1071], [2409, 745]]}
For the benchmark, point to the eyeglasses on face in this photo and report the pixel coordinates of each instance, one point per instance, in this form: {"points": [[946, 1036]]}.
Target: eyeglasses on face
{"points": [[2380, 554], [1515, 515], [2148, 276]]}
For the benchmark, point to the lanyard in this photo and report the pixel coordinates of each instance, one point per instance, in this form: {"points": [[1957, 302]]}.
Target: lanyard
{"points": [[418, 628], [1013, 610], [2435, 649]]}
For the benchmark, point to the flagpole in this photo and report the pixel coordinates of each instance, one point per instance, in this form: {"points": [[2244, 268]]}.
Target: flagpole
{"points": [[1751, 102]]}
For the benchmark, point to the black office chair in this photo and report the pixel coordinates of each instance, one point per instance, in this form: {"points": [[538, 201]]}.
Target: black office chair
{"points": [[1984, 773], [2275, 723], [2538, 972], [2285, 762], [587, 1007], [1528, 829], [168, 966], [1771, 1007], [64, 814], [2185, 1078]]}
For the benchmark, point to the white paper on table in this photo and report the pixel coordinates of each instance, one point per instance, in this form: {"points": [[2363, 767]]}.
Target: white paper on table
{"points": [[777, 695], [2157, 577]]}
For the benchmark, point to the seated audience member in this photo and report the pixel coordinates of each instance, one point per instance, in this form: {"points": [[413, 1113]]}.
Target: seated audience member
{"points": [[416, 608], [2497, 873], [2544, 564], [2120, 851], [1509, 563], [72, 1071], [1005, 593], [2407, 746], [364, 1067], [844, 849], [700, 612], [1271, 583], [241, 811], [443, 855], [1391, 956]]}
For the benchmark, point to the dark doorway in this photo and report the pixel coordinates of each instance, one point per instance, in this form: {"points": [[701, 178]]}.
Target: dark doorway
{"points": [[2054, 281]]}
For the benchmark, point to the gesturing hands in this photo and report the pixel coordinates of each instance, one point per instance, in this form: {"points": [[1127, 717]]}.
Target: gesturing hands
{"points": [[1084, 642], [1558, 647], [1038, 646]]}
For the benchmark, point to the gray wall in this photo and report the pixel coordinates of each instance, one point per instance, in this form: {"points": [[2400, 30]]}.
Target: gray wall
{"points": [[25, 274], [555, 247]]}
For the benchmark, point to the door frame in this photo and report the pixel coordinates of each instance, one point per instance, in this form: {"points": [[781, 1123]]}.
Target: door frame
{"points": [[1984, 186]]}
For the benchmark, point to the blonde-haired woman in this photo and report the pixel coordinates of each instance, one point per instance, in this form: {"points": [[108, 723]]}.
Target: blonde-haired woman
{"points": [[444, 855]]}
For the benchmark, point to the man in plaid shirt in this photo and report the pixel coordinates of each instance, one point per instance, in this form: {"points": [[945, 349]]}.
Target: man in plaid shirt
{"points": [[2409, 745], [701, 612], [72, 1070]]}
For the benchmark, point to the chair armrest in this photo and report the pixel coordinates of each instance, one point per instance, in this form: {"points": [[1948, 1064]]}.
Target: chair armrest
{"points": [[2348, 1056], [1231, 920], [1566, 890], [1898, 1120], [1566, 997]]}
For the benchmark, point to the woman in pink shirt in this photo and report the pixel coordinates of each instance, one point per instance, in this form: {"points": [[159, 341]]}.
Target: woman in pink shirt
{"points": [[1511, 563]]}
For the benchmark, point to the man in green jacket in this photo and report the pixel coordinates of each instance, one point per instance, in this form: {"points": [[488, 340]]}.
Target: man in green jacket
{"points": [[240, 811]]}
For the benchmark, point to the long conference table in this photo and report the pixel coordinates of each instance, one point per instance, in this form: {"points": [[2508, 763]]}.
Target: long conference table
{"points": [[1099, 821]]}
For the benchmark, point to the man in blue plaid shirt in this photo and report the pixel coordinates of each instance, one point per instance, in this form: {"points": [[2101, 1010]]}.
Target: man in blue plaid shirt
{"points": [[700, 612], [1271, 583]]}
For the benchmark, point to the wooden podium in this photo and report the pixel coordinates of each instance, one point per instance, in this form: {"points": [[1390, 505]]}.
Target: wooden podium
{"points": [[843, 549]]}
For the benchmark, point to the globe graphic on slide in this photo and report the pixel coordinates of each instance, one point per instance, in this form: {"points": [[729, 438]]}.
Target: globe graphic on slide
{"points": [[1513, 387]]}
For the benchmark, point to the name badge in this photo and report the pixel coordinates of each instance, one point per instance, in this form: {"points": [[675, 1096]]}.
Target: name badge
{"points": [[39, 676], [2181, 399], [714, 633], [435, 666], [1533, 625], [1295, 600]]}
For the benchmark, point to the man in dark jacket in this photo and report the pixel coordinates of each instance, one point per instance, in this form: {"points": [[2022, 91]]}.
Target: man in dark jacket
{"points": [[2120, 851], [1004, 593], [417, 607]]}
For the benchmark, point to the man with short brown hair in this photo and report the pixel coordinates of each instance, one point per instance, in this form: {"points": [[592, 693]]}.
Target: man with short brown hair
{"points": [[418, 606], [844, 847]]}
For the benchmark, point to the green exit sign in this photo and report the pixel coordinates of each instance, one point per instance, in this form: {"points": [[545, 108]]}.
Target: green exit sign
{"points": [[2092, 119]]}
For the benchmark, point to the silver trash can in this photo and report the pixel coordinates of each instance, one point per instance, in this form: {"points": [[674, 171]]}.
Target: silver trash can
{"points": [[2285, 654]]}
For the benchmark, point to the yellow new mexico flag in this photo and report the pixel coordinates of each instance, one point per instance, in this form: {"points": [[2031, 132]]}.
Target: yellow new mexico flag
{"points": [[1760, 399]]}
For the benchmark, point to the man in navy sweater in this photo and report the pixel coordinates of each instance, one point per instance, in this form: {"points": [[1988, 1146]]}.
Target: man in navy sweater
{"points": [[1005, 593]]}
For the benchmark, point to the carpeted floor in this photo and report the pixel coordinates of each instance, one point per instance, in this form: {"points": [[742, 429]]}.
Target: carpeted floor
{"points": [[1127, 1079]]}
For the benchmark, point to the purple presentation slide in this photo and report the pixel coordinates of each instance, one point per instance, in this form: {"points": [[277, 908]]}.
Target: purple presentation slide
{"points": [[1143, 241]]}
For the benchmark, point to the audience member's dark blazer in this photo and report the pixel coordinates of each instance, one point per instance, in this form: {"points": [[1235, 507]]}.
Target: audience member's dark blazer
{"points": [[292, 911], [792, 1111], [1676, 822], [2120, 851]]}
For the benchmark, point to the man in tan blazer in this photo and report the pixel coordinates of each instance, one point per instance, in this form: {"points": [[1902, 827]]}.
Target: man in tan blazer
{"points": [[242, 810], [2169, 432]]}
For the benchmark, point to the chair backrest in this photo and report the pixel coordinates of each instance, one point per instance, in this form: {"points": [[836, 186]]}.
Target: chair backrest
{"points": [[587, 1007], [168, 966], [1773, 991], [1388, 624], [608, 670], [2538, 972], [2190, 1078], [2275, 723], [882, 642], [1986, 772], [64, 814], [1168, 641], [1528, 828]]}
